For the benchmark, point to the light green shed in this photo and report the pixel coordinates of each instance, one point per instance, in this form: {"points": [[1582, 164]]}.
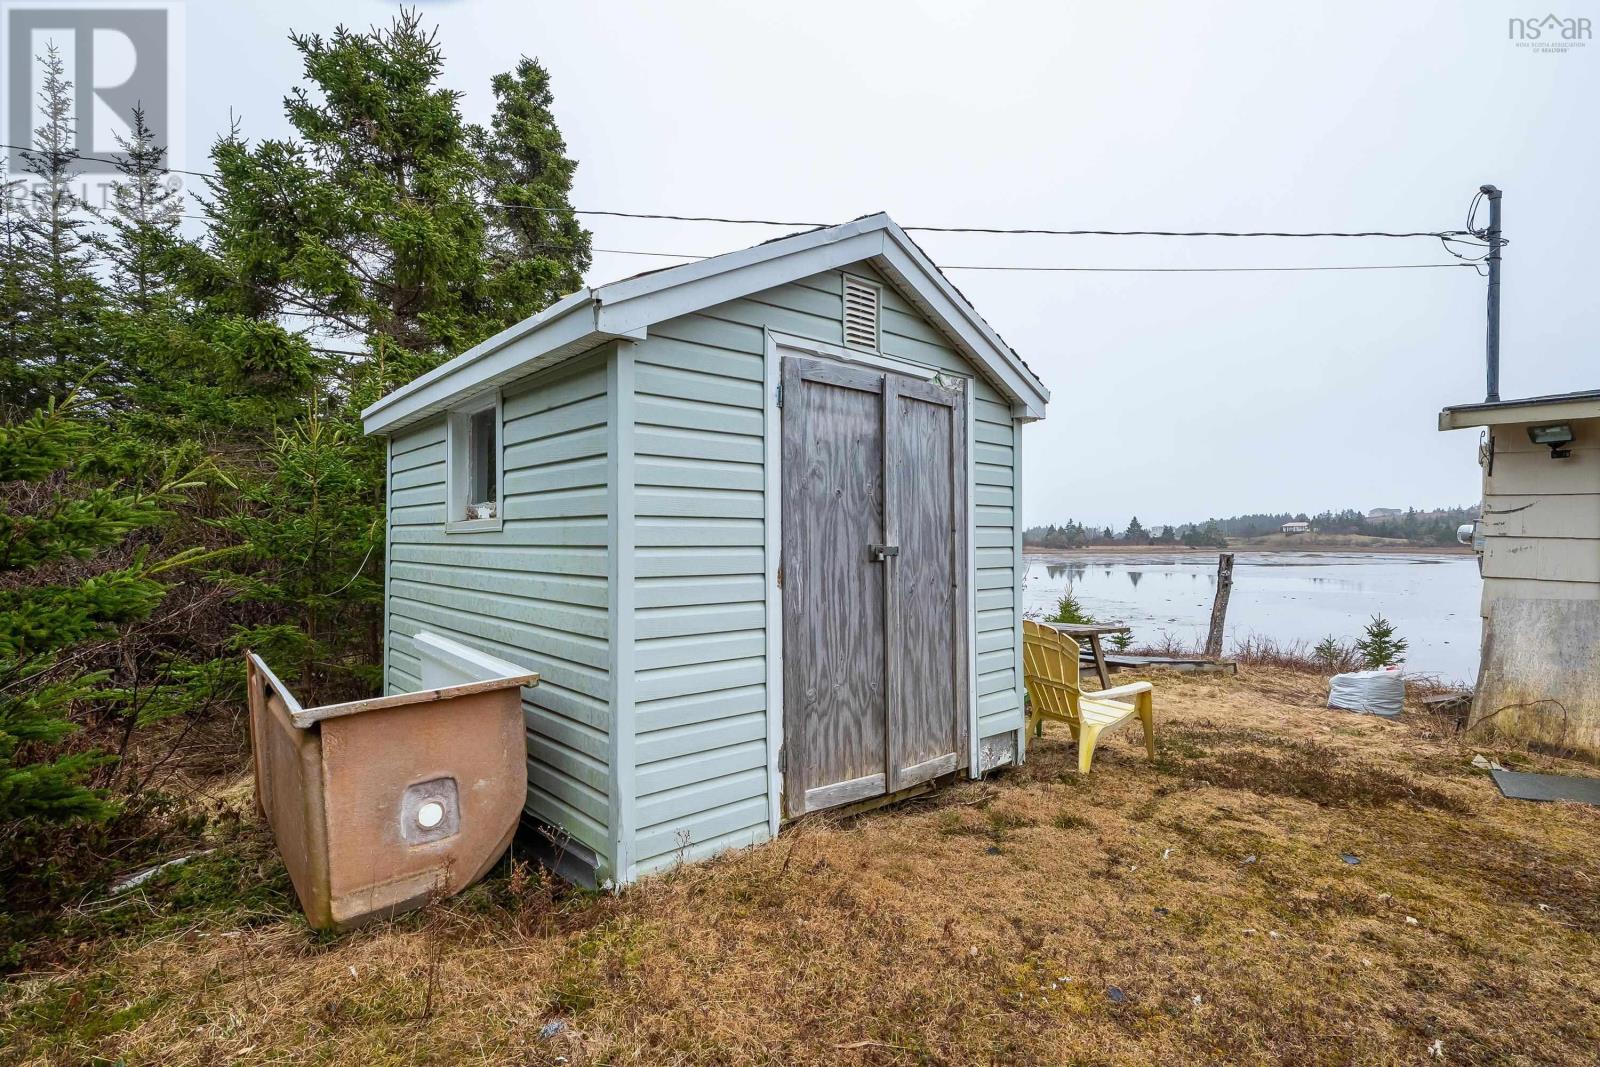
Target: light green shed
{"points": [[755, 521]]}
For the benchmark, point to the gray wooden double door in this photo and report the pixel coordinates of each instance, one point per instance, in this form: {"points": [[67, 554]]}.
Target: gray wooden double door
{"points": [[874, 577]]}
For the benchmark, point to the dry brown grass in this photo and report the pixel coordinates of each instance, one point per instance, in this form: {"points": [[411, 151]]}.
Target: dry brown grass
{"points": [[986, 924]]}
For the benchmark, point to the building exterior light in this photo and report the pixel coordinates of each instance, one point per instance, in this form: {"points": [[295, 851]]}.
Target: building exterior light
{"points": [[1555, 435]]}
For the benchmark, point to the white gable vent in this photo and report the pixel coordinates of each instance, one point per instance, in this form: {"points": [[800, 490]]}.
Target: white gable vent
{"points": [[860, 313]]}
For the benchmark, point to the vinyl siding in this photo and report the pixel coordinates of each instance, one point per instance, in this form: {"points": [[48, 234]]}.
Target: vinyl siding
{"points": [[533, 592], [689, 778], [700, 611], [1541, 518], [1541, 579]]}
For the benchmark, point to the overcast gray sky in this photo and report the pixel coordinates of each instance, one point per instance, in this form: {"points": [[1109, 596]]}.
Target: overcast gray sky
{"points": [[1176, 396]]}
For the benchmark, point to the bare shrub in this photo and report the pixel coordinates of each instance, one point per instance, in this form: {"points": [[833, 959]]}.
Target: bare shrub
{"points": [[1256, 650]]}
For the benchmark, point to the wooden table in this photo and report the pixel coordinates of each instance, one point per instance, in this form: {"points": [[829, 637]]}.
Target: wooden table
{"points": [[1092, 631]]}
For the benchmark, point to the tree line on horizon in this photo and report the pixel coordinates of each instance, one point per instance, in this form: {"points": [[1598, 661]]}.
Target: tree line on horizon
{"points": [[1437, 527], [183, 473]]}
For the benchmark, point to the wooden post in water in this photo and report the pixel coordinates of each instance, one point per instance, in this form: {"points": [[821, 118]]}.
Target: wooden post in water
{"points": [[1219, 606]]}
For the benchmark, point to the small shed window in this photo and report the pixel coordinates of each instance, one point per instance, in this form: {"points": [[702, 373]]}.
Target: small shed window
{"points": [[483, 477], [474, 467]]}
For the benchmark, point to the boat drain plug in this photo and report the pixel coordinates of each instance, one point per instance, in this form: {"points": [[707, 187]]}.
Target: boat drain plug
{"points": [[430, 811]]}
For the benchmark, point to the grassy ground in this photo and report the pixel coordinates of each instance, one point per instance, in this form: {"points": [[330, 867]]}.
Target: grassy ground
{"points": [[1199, 910]]}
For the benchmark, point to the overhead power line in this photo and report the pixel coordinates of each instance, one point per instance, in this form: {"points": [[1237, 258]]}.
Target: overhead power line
{"points": [[1204, 270], [1095, 270], [1439, 235], [1434, 234]]}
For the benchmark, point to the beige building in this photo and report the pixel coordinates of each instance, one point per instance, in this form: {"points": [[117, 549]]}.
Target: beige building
{"points": [[1539, 545]]}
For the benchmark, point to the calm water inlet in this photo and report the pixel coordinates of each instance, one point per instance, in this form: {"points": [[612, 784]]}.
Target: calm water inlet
{"points": [[1287, 596]]}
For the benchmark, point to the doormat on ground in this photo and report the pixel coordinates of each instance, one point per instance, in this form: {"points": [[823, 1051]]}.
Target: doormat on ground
{"points": [[1520, 786]]}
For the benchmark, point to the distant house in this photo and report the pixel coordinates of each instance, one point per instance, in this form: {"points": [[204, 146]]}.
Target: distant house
{"points": [[1385, 513], [1540, 537], [1296, 527]]}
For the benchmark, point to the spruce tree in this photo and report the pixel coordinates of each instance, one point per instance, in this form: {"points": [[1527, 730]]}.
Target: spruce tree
{"points": [[389, 216], [376, 233], [142, 219], [1380, 646], [15, 372], [1332, 654], [50, 606], [198, 374], [140, 323], [57, 330], [1068, 610], [313, 538], [540, 248], [369, 223]]}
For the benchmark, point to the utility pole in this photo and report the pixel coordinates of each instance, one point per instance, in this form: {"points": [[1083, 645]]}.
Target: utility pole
{"points": [[1492, 340]]}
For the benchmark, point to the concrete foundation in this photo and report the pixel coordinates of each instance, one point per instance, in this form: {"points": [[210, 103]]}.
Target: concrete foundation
{"points": [[1540, 679]]}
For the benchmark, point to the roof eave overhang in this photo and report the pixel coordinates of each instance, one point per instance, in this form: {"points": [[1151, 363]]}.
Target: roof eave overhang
{"points": [[638, 302], [562, 330], [1505, 413], [906, 265], [626, 309]]}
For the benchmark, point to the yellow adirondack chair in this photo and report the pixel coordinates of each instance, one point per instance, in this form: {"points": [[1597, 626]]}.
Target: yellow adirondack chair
{"points": [[1050, 668]]}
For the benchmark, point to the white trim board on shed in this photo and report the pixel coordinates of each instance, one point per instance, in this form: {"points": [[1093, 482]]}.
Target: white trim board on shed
{"points": [[626, 309]]}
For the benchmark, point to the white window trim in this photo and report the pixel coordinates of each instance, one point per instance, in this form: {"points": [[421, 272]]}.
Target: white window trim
{"points": [[458, 425]]}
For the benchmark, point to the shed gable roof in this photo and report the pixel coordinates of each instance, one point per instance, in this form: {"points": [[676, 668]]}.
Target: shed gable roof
{"points": [[627, 309]]}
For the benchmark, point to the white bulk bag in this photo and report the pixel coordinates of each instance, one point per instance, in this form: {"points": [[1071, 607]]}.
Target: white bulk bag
{"points": [[1372, 692]]}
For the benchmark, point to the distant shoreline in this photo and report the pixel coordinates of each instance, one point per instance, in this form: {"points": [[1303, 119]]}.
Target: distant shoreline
{"points": [[1276, 545]]}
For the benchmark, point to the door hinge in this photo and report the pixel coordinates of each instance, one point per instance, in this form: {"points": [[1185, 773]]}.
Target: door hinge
{"points": [[780, 394], [783, 759]]}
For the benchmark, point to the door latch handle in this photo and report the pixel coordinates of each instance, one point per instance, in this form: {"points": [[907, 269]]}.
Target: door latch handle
{"points": [[880, 553]]}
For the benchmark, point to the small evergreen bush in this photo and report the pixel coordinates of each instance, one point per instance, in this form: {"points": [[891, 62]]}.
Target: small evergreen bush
{"points": [[1328, 652], [1069, 610], [1381, 646]]}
